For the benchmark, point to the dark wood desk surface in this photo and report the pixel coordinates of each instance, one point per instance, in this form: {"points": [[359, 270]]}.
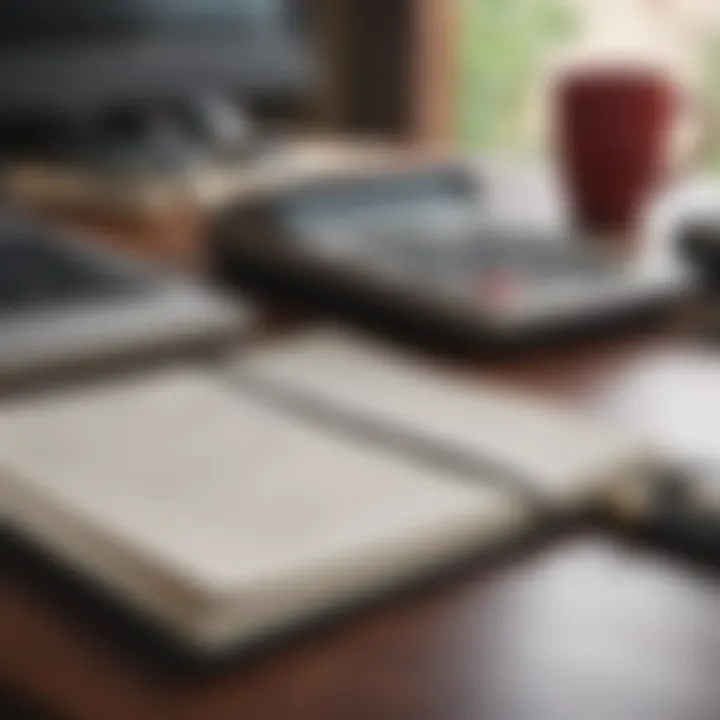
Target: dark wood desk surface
{"points": [[585, 627]]}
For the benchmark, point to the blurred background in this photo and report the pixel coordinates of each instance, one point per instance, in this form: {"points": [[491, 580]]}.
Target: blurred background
{"points": [[533, 185]]}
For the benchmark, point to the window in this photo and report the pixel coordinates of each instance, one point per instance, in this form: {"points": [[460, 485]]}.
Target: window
{"points": [[508, 48], [503, 42]]}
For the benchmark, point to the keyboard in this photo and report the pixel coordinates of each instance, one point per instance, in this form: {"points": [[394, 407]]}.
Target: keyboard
{"points": [[460, 258]]}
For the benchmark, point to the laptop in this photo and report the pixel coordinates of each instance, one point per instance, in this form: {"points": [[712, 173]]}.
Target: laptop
{"points": [[67, 306]]}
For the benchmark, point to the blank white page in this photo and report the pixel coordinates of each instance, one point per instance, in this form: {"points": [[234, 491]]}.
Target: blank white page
{"points": [[560, 453]]}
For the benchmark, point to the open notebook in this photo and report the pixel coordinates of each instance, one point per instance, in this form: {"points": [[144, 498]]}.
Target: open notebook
{"points": [[222, 519], [547, 452], [321, 471]]}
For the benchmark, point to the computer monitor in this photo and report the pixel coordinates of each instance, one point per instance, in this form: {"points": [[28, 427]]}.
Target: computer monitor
{"points": [[69, 54], [66, 63]]}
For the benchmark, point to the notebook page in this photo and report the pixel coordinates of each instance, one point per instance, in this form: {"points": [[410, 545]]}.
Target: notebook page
{"points": [[230, 499], [560, 453]]}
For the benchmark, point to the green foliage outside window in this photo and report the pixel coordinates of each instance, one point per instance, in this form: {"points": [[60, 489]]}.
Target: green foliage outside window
{"points": [[503, 44], [713, 105]]}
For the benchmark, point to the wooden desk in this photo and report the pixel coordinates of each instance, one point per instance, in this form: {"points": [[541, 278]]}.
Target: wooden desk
{"points": [[162, 218], [578, 628]]}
